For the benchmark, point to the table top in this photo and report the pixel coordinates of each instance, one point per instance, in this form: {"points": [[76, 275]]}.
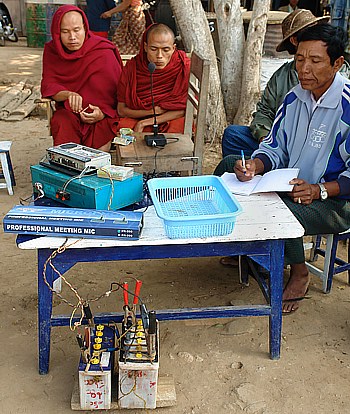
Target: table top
{"points": [[264, 217], [273, 16]]}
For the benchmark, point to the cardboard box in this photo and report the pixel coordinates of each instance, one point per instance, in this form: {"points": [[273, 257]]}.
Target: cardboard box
{"points": [[73, 222]]}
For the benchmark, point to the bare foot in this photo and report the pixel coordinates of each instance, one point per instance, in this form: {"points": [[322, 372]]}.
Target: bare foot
{"points": [[295, 288]]}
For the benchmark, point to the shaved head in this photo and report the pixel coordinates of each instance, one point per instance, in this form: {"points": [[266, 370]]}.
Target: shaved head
{"points": [[160, 45], [160, 29]]}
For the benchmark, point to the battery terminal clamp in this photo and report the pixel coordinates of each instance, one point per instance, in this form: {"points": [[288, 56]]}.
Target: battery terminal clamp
{"points": [[62, 195]]}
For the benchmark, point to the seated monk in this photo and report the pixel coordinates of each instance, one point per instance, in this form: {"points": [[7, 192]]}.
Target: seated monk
{"points": [[170, 84], [81, 73]]}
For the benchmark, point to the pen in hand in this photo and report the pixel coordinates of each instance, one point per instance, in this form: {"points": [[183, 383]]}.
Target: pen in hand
{"points": [[243, 162]]}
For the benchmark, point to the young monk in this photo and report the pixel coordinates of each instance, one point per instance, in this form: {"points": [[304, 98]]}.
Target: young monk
{"points": [[81, 72], [170, 84]]}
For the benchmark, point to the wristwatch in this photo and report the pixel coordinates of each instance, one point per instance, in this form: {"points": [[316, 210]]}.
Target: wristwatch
{"points": [[323, 192]]}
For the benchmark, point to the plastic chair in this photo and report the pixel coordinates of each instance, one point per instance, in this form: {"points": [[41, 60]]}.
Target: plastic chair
{"points": [[6, 166], [333, 265]]}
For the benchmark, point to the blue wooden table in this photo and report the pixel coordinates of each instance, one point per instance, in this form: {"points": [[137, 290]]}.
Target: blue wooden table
{"points": [[259, 233]]}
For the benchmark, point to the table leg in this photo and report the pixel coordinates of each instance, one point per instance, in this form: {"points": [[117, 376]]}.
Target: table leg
{"points": [[44, 311], [276, 288], [273, 249]]}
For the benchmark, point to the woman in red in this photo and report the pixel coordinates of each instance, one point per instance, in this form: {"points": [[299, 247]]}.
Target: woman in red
{"points": [[170, 84], [81, 73]]}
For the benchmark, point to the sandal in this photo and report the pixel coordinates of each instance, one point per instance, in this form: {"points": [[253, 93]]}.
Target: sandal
{"points": [[298, 299]]}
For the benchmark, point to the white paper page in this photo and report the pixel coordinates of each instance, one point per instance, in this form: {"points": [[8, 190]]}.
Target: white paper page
{"points": [[240, 187], [277, 180]]}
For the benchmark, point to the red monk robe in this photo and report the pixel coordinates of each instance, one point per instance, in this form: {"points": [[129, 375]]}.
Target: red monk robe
{"points": [[93, 72], [170, 85]]}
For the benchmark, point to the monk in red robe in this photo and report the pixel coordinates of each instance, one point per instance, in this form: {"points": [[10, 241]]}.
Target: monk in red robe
{"points": [[81, 72], [170, 84]]}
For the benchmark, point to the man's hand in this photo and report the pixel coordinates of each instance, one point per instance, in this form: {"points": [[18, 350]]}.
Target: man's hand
{"points": [[94, 115], [303, 192], [75, 102], [106, 15], [247, 173]]}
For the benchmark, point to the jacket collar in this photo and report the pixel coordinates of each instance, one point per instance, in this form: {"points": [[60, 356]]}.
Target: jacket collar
{"points": [[332, 97]]}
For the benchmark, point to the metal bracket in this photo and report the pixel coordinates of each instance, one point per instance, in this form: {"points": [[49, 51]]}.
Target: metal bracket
{"points": [[195, 163], [133, 164]]}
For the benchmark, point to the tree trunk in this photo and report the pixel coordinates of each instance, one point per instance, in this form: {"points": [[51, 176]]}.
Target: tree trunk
{"points": [[250, 92], [231, 37], [194, 29]]}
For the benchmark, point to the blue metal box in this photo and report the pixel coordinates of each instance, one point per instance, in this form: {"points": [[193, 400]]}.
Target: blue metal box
{"points": [[89, 191]]}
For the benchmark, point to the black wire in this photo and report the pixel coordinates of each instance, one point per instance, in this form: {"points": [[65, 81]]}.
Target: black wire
{"points": [[27, 200]]}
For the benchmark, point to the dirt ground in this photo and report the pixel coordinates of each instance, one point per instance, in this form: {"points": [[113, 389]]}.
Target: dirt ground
{"points": [[218, 366]]}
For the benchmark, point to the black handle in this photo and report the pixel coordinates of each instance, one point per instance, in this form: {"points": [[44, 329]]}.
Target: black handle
{"points": [[152, 322], [87, 311]]}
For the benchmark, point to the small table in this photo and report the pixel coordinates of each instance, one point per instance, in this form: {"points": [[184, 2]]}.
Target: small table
{"points": [[259, 232], [273, 35], [145, 159]]}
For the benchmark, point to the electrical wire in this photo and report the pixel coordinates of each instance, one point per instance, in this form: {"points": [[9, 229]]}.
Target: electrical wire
{"points": [[29, 200], [82, 173], [155, 158], [112, 187], [80, 300], [172, 140], [132, 389], [120, 285]]}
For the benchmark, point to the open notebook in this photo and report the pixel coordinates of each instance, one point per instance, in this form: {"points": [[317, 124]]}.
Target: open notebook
{"points": [[275, 180]]}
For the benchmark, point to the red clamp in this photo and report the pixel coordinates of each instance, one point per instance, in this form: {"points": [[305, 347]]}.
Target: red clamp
{"points": [[125, 294], [137, 292]]}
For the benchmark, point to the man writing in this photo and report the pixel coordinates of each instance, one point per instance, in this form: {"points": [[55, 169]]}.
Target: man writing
{"points": [[170, 84], [247, 138], [311, 131]]}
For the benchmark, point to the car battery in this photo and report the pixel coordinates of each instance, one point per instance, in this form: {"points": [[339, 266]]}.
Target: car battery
{"points": [[137, 374], [95, 377], [88, 191]]}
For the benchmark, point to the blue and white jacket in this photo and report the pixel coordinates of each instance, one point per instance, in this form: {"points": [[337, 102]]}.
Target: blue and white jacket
{"points": [[318, 141]]}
